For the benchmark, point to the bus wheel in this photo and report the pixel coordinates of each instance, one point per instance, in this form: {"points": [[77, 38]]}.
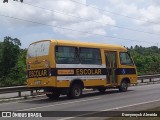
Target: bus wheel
{"points": [[102, 90], [75, 91], [124, 86], [53, 95]]}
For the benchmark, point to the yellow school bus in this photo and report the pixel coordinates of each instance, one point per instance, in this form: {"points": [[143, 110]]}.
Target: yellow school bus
{"points": [[67, 67]]}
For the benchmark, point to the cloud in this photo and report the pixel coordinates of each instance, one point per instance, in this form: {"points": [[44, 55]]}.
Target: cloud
{"points": [[64, 10], [148, 12], [34, 37]]}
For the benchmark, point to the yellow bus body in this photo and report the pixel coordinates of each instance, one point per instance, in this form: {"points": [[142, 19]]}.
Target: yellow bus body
{"points": [[41, 69]]}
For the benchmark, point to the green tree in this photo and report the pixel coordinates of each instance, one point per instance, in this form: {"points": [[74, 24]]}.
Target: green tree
{"points": [[17, 76], [10, 52], [146, 59]]}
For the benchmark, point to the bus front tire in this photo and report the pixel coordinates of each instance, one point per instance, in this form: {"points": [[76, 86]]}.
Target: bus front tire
{"points": [[75, 91], [124, 86], [53, 95]]}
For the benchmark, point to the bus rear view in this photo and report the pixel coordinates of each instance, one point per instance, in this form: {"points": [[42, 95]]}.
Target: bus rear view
{"points": [[38, 65]]}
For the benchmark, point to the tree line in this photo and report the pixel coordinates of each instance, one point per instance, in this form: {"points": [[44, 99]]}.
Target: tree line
{"points": [[13, 61], [147, 59]]}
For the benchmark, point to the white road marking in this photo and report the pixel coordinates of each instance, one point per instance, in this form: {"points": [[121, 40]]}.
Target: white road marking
{"points": [[132, 105], [20, 99], [8, 103], [110, 109], [60, 104]]}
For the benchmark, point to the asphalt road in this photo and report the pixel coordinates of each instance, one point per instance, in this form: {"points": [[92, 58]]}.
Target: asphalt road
{"points": [[137, 98], [27, 93]]}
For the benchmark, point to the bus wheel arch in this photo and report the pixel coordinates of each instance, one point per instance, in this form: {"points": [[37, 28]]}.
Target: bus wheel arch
{"points": [[75, 89], [124, 84]]}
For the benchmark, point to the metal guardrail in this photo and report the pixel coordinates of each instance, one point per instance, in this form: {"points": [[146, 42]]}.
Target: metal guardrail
{"points": [[149, 78], [15, 89], [141, 79]]}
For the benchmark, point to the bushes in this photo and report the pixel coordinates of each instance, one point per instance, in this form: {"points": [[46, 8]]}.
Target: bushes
{"points": [[147, 60], [12, 62]]}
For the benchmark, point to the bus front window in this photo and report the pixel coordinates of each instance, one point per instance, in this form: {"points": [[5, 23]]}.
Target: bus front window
{"points": [[125, 59]]}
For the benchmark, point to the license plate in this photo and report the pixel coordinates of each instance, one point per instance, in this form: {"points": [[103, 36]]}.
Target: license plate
{"points": [[37, 82]]}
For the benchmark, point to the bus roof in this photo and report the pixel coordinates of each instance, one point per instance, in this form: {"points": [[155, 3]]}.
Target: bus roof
{"points": [[89, 44], [85, 44]]}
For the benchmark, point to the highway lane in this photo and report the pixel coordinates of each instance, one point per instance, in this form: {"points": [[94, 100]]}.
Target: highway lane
{"points": [[27, 93], [93, 101]]}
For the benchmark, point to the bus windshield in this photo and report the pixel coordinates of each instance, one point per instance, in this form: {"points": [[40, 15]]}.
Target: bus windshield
{"points": [[38, 49]]}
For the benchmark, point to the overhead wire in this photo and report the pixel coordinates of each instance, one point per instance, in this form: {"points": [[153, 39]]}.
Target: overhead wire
{"points": [[107, 11], [64, 28], [67, 14]]}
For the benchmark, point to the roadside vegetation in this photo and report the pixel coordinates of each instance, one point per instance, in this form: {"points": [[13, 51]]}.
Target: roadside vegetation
{"points": [[147, 59], [12, 62], [13, 67]]}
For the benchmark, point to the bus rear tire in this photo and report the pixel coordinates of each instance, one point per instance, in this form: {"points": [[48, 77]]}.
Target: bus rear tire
{"points": [[53, 95], [124, 86], [75, 91]]}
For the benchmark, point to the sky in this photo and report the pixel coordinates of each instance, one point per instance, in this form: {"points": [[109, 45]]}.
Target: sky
{"points": [[122, 22]]}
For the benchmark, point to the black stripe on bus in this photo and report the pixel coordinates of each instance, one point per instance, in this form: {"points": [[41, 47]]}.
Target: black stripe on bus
{"points": [[92, 71], [79, 72], [123, 71]]}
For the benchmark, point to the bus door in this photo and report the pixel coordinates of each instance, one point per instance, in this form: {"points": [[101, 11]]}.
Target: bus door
{"points": [[111, 66]]}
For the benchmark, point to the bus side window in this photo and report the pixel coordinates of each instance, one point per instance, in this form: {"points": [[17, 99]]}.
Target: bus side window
{"points": [[107, 61], [66, 55], [90, 56], [111, 60]]}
